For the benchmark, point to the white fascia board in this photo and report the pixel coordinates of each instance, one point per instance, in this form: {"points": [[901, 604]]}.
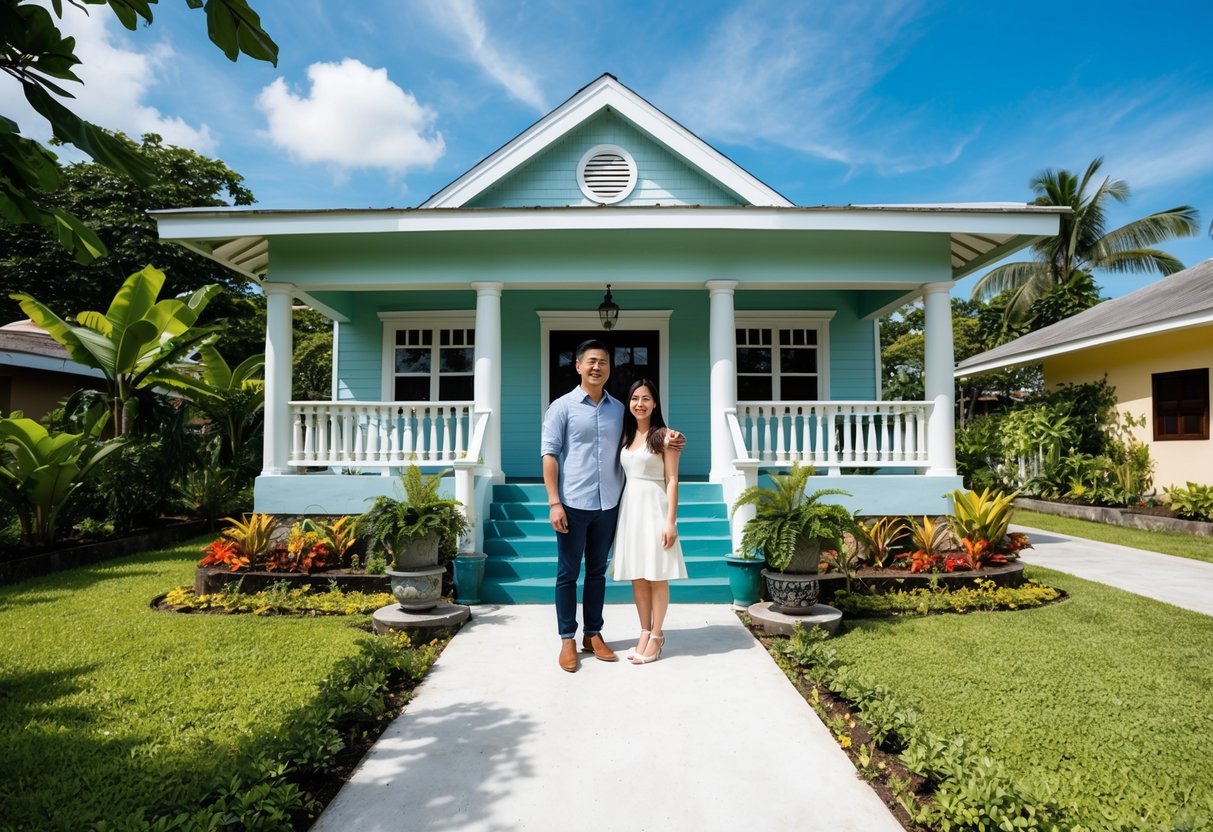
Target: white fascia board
{"points": [[1035, 356], [599, 95], [30, 361], [215, 225]]}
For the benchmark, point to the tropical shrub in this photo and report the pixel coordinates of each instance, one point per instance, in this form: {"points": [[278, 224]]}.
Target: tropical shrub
{"points": [[389, 522], [983, 516], [982, 595], [1192, 503], [784, 513], [878, 537], [252, 542], [40, 471], [929, 537]]}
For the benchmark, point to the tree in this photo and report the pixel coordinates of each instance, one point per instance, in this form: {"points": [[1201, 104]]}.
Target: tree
{"points": [[34, 51], [136, 343], [116, 207], [1084, 244]]}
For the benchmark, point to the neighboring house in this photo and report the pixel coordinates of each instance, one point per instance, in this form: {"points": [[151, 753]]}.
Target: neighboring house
{"points": [[455, 322], [1155, 346], [35, 372]]}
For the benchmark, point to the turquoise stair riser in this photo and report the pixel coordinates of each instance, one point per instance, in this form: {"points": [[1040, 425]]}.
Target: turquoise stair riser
{"points": [[520, 543]]}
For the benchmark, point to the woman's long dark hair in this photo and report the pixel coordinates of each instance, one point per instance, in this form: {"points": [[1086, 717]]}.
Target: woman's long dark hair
{"points": [[656, 437]]}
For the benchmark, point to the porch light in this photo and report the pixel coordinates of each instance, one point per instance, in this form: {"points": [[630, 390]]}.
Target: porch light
{"points": [[608, 310]]}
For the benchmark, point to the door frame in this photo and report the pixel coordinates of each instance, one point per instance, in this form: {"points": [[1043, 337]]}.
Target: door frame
{"points": [[644, 319]]}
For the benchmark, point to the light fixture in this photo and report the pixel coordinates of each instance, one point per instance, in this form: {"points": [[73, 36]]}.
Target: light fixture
{"points": [[608, 310]]}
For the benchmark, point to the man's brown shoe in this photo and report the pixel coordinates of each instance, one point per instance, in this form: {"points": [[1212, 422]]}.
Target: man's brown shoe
{"points": [[568, 655], [595, 644]]}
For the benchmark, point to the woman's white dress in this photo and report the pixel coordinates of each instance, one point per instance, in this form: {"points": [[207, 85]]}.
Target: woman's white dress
{"points": [[642, 513]]}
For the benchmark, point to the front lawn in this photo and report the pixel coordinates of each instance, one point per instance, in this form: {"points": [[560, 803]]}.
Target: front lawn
{"points": [[109, 708], [1169, 543], [1103, 701]]}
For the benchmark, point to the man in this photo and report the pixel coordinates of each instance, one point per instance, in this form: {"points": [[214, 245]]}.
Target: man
{"points": [[581, 435]]}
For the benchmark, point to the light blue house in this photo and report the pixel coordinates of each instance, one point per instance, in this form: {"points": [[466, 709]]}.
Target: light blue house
{"points": [[455, 323]]}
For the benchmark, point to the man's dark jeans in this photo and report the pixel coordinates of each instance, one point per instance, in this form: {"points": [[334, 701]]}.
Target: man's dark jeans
{"points": [[590, 533]]}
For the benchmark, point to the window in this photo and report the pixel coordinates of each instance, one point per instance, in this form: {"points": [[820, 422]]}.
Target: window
{"points": [[432, 364], [781, 361], [1181, 405]]}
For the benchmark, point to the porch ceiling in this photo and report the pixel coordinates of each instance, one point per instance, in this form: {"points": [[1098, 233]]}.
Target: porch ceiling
{"points": [[979, 234]]}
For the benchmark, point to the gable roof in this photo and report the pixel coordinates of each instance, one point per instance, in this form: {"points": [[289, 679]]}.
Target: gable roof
{"points": [[1182, 300], [603, 93]]}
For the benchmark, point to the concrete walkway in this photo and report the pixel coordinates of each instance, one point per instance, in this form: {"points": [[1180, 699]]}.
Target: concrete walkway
{"points": [[711, 737], [1183, 582]]}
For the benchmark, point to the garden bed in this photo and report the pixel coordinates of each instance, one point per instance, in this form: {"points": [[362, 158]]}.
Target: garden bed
{"points": [[1148, 519], [211, 579], [890, 579], [86, 554]]}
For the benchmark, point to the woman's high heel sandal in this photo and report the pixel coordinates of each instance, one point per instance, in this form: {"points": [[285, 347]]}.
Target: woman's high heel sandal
{"points": [[641, 645], [641, 659]]}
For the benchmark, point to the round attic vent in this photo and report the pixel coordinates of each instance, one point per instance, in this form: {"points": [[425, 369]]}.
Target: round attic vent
{"points": [[606, 174]]}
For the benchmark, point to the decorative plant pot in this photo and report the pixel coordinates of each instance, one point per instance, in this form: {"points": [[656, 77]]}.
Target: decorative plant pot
{"points": [[417, 590], [745, 580], [806, 557], [791, 593], [419, 552], [469, 575]]}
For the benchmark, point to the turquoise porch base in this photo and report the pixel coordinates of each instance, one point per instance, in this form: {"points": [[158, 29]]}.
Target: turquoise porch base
{"points": [[891, 494], [322, 493]]}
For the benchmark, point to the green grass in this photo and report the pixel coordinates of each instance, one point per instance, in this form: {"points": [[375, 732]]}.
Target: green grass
{"points": [[108, 707], [1169, 543], [1104, 701]]}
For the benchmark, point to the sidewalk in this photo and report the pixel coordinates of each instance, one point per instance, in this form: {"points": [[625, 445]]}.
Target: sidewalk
{"points": [[1183, 582], [711, 737]]}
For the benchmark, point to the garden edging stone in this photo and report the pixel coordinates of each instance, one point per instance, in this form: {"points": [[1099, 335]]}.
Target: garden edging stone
{"points": [[46, 563], [1117, 517]]}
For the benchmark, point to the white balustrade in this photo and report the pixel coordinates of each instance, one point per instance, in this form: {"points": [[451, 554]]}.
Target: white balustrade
{"points": [[833, 435], [383, 434]]}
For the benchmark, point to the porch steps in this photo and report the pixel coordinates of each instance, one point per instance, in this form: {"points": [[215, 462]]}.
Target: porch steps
{"points": [[521, 548]]}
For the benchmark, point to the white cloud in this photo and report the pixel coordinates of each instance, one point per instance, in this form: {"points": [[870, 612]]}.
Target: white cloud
{"points": [[801, 76], [116, 83], [353, 118], [462, 20]]}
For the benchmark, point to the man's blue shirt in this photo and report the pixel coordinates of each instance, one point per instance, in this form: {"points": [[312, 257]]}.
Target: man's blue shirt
{"points": [[585, 438]]}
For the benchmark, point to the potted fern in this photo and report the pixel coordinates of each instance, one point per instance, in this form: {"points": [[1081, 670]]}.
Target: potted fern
{"points": [[418, 534], [791, 527]]}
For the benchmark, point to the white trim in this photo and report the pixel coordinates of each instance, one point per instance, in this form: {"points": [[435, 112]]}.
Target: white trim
{"points": [[395, 321], [783, 319], [879, 360], [595, 151], [601, 94], [46, 363], [333, 359], [212, 224], [629, 320], [1033, 356]]}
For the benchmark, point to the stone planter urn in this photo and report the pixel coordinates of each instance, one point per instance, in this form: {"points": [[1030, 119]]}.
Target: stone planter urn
{"points": [[417, 590], [792, 593], [417, 552]]}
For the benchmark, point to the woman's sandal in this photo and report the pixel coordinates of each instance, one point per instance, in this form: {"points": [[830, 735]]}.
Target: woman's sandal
{"points": [[631, 654], [641, 659]]}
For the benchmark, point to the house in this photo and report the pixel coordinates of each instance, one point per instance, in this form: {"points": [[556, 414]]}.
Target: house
{"points": [[36, 374], [1155, 346], [455, 322]]}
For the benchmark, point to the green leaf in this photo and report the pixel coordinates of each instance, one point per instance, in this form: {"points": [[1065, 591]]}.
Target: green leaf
{"points": [[106, 148]]}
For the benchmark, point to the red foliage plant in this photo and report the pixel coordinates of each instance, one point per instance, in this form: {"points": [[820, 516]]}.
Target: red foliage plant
{"points": [[224, 552]]}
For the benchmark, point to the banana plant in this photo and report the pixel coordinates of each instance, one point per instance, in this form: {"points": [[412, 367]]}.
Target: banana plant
{"points": [[229, 397], [136, 342], [40, 471]]}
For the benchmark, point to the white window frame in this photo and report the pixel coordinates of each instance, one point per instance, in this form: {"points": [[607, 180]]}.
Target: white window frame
{"points": [[815, 319], [393, 322]]}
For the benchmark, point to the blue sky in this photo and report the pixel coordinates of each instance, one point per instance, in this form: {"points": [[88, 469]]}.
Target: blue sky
{"points": [[381, 103]]}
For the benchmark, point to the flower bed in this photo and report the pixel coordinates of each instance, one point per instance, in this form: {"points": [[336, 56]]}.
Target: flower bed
{"points": [[209, 580], [1133, 518], [868, 579]]}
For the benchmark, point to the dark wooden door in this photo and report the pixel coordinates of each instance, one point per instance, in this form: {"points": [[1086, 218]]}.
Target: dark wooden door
{"points": [[634, 354]]}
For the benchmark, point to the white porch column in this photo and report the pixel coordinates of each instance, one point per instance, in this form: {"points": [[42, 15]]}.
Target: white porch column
{"points": [[939, 384], [278, 300], [487, 383], [722, 353]]}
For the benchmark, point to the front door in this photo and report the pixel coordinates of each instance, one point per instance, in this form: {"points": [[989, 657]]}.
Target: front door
{"points": [[634, 354]]}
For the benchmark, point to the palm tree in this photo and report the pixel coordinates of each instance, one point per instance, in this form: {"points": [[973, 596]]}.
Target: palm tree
{"points": [[1082, 243]]}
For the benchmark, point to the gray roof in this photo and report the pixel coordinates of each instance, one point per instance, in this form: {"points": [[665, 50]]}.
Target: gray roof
{"points": [[1183, 299]]}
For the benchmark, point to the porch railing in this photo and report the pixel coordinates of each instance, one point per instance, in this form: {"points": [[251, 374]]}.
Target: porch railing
{"points": [[832, 435], [383, 434]]}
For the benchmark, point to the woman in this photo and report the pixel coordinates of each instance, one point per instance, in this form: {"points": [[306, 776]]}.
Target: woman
{"points": [[647, 550]]}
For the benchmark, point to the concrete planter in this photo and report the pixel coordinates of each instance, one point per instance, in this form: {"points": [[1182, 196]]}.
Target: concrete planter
{"points": [[792, 593], [417, 552], [209, 580], [417, 590], [1117, 517]]}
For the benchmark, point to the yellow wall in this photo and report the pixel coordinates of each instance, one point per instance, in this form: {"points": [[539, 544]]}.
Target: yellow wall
{"points": [[1128, 366]]}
